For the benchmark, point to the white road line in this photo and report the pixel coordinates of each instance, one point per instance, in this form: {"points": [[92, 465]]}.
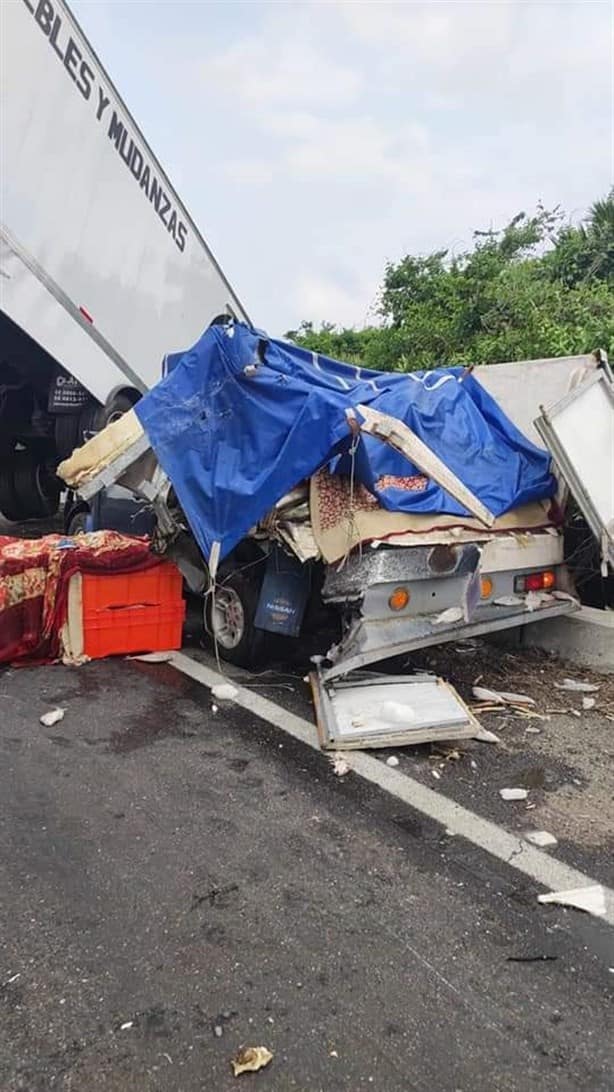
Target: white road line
{"points": [[510, 848]]}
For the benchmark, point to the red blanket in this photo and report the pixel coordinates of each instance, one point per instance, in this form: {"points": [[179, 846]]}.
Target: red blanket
{"points": [[34, 577]]}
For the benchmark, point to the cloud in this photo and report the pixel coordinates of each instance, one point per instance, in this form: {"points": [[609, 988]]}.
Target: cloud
{"points": [[318, 140], [250, 172], [273, 70], [351, 148], [321, 297]]}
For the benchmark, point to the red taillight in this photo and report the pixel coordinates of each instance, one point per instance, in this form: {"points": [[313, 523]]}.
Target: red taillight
{"points": [[86, 314], [535, 581]]}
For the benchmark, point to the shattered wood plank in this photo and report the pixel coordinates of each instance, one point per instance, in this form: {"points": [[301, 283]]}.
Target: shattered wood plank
{"points": [[396, 433]]}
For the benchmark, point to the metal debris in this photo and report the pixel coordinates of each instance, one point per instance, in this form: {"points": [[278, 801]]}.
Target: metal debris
{"points": [[513, 794], [250, 1060]]}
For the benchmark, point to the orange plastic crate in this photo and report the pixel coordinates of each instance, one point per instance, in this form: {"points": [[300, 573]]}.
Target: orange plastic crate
{"points": [[132, 612]]}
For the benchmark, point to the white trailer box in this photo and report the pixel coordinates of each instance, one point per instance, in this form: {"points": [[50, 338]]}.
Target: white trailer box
{"points": [[101, 267]]}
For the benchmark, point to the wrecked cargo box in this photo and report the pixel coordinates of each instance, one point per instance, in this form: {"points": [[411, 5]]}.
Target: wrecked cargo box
{"points": [[402, 510]]}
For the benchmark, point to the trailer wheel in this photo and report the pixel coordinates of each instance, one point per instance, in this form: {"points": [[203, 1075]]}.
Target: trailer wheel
{"points": [[48, 488], [90, 421], [116, 408], [9, 503], [229, 619], [26, 488], [36, 487], [67, 436]]}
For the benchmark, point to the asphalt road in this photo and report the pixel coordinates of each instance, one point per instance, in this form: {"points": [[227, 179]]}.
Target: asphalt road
{"points": [[176, 883]]}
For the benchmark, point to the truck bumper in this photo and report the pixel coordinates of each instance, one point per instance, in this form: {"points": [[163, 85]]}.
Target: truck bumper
{"points": [[370, 640]]}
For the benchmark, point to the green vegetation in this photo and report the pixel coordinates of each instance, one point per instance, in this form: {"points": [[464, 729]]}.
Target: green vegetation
{"points": [[539, 287]]}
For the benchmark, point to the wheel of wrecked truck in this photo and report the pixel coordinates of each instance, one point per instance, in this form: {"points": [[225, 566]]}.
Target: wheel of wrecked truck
{"points": [[48, 488], [78, 522], [229, 620], [67, 436], [10, 507], [36, 487]]}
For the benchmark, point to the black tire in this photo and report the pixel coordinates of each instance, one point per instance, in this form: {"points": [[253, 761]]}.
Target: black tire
{"points": [[90, 422], [237, 642], [35, 487], [26, 487], [66, 431], [48, 487], [9, 501], [77, 524], [115, 408]]}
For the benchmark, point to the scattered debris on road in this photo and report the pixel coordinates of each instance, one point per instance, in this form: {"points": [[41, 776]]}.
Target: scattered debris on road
{"points": [[224, 692], [501, 697], [389, 711], [541, 838], [54, 716], [392, 761], [513, 794], [153, 657], [484, 735], [590, 899], [340, 766], [577, 685], [531, 959], [588, 703], [250, 1060]]}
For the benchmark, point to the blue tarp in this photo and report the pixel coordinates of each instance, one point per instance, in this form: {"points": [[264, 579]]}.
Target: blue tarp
{"points": [[240, 419]]}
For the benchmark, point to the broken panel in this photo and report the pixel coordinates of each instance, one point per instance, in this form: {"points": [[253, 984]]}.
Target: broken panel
{"points": [[389, 711], [579, 432]]}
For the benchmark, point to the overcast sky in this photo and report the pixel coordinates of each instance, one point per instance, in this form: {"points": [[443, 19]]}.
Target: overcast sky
{"points": [[312, 142]]}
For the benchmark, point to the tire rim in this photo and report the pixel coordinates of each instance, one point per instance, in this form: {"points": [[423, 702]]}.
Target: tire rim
{"points": [[228, 618]]}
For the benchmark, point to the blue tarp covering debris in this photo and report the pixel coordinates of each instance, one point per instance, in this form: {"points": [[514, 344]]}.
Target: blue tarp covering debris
{"points": [[241, 419]]}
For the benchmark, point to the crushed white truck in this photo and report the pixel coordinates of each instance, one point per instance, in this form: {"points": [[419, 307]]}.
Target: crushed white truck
{"points": [[102, 269], [239, 414]]}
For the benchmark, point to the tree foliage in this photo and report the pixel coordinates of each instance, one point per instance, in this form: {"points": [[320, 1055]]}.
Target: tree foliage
{"points": [[538, 287]]}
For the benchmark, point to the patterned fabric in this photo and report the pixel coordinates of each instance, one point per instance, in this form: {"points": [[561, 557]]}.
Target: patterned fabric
{"points": [[342, 518], [34, 577], [335, 499], [416, 483]]}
